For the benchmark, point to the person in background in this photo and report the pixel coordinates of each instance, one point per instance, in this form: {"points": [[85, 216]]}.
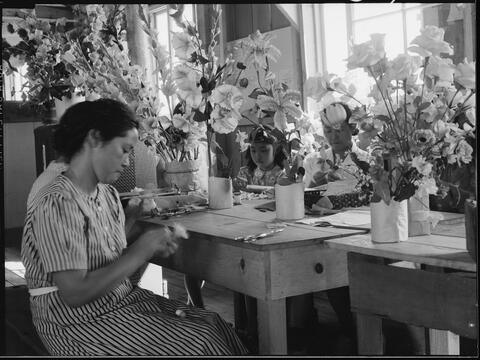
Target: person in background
{"points": [[76, 260], [340, 165], [266, 161]]}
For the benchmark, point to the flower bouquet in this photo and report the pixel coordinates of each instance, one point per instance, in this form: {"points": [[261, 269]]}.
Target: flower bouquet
{"points": [[40, 45], [419, 117]]}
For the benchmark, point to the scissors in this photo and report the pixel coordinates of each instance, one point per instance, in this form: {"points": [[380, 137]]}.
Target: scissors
{"points": [[326, 224]]}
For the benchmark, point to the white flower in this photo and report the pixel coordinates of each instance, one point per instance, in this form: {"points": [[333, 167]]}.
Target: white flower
{"points": [[181, 123], [227, 96], [224, 121], [465, 74], [403, 67], [441, 68], [463, 152], [318, 86], [428, 185], [184, 77], [422, 166], [192, 95], [242, 138], [368, 53], [183, 45], [430, 42]]}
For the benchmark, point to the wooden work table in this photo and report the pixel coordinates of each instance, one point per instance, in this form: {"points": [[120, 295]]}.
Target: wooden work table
{"points": [[438, 292], [292, 262]]}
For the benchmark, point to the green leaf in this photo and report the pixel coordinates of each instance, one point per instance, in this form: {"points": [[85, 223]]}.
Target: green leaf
{"points": [[199, 116], [417, 100], [254, 94], [382, 190], [202, 60], [423, 106], [383, 118]]}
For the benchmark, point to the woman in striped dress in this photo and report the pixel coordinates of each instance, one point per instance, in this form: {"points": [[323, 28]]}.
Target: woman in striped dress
{"points": [[76, 264]]}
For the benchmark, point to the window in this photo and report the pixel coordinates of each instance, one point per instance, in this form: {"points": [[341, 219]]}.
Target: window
{"points": [[12, 89], [165, 25], [344, 23]]}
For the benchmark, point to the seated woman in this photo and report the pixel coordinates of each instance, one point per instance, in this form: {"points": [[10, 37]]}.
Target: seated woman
{"points": [[76, 269], [342, 163]]}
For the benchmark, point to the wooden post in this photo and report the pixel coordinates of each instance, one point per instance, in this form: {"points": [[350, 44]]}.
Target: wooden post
{"points": [[137, 39], [370, 334], [272, 327]]}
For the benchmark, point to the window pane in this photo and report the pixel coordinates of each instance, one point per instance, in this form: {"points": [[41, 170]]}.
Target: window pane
{"points": [[336, 45], [414, 22], [390, 25], [161, 20], [361, 11]]}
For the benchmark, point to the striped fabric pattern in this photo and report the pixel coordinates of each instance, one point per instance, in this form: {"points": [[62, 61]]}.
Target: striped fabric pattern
{"points": [[66, 229]]}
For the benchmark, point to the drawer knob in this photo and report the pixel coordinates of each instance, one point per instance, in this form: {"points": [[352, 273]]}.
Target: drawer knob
{"points": [[318, 268], [242, 264]]}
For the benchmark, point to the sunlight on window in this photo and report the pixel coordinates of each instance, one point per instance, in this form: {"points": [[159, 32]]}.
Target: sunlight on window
{"points": [[165, 25], [414, 22], [12, 89], [335, 28], [365, 10], [390, 25]]}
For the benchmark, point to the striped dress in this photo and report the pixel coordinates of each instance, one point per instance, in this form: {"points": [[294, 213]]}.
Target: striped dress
{"points": [[66, 229]]}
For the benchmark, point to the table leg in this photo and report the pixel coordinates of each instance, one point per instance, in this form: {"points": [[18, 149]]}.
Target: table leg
{"points": [[272, 326], [443, 342], [369, 334]]}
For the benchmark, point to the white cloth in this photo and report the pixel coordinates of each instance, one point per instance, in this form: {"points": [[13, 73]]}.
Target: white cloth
{"points": [[45, 178], [42, 290]]}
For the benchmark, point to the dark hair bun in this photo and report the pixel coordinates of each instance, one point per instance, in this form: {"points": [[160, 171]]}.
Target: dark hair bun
{"points": [[110, 117]]}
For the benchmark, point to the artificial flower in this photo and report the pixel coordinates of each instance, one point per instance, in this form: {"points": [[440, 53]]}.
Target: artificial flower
{"points": [[242, 139], [465, 74], [430, 42], [183, 45], [368, 53]]}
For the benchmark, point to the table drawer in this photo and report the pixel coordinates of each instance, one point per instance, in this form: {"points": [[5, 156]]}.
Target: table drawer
{"points": [[306, 269]]}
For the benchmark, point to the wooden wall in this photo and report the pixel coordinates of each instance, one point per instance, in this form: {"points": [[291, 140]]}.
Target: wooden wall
{"points": [[240, 21], [243, 19]]}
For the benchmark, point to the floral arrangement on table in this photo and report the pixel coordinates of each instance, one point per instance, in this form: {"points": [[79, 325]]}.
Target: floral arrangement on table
{"points": [[276, 107], [203, 96], [420, 113], [40, 45], [101, 65]]}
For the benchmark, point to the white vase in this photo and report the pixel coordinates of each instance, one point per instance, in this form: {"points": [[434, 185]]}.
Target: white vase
{"points": [[220, 194], [289, 201], [182, 175], [418, 213], [389, 223], [65, 103]]}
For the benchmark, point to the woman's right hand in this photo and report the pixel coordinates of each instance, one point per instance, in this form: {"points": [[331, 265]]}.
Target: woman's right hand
{"points": [[157, 241]]}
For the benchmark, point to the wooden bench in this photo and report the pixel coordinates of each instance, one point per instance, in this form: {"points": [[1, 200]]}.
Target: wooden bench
{"points": [[21, 338]]}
